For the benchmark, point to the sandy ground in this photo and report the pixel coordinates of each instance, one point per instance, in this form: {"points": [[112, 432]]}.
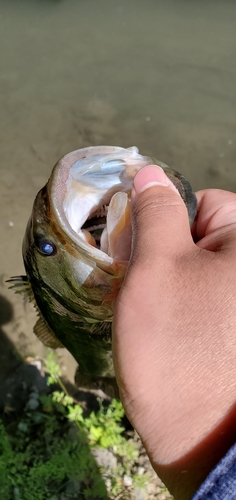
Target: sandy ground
{"points": [[159, 75]]}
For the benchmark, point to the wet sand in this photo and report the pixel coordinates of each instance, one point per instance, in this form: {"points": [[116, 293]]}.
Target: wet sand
{"points": [[156, 74]]}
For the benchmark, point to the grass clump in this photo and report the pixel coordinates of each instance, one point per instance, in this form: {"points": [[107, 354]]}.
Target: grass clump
{"points": [[49, 452]]}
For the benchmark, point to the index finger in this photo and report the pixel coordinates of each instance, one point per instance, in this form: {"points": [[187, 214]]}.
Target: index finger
{"points": [[216, 210]]}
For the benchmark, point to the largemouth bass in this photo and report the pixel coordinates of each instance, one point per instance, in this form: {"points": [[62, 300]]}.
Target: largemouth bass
{"points": [[76, 249]]}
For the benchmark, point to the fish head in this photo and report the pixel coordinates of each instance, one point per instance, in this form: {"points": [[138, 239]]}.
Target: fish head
{"points": [[78, 240], [61, 266]]}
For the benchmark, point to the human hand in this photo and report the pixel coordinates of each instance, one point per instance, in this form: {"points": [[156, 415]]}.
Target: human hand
{"points": [[174, 330]]}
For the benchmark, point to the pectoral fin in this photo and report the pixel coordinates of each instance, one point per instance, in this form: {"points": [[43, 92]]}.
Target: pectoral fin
{"points": [[46, 335], [20, 284]]}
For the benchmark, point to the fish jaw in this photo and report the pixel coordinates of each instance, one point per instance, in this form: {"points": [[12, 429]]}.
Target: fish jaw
{"points": [[70, 275], [73, 313]]}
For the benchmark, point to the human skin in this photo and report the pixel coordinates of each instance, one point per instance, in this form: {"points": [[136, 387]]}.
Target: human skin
{"points": [[174, 330]]}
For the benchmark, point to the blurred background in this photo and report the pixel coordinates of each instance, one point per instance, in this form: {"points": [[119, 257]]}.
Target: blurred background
{"points": [[158, 74]]}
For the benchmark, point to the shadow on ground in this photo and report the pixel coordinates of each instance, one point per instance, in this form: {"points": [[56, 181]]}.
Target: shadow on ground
{"points": [[19, 379], [17, 376]]}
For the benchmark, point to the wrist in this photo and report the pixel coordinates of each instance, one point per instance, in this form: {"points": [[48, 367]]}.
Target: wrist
{"points": [[183, 464]]}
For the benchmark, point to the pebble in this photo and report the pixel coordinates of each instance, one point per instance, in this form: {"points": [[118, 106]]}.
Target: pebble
{"points": [[140, 471], [23, 427], [142, 459], [34, 395], [108, 484], [151, 488], [16, 492], [32, 404], [140, 494], [33, 401], [127, 480], [104, 458]]}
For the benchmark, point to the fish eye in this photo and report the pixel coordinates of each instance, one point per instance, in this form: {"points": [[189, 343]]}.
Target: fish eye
{"points": [[46, 247]]}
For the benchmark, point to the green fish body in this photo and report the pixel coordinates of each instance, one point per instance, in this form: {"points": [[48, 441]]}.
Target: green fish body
{"points": [[76, 249]]}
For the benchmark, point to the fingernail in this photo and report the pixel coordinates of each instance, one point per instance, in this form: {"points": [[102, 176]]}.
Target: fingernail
{"points": [[151, 175]]}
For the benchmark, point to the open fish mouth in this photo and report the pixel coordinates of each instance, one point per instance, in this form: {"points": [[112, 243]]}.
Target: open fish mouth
{"points": [[108, 229], [95, 203], [97, 199], [95, 225]]}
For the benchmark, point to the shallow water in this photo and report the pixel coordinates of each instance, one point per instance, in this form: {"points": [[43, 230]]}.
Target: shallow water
{"points": [[160, 75]]}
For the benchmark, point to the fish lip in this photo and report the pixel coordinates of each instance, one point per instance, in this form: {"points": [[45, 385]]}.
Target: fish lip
{"points": [[56, 189]]}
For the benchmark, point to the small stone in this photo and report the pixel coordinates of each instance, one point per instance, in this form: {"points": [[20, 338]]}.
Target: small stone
{"points": [[34, 395], [33, 401], [140, 471], [108, 484], [127, 480], [104, 458], [140, 494], [151, 488], [16, 492], [32, 404], [23, 427], [142, 459]]}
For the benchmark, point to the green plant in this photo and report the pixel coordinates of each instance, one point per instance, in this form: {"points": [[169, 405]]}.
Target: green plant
{"points": [[36, 462], [48, 453], [103, 429]]}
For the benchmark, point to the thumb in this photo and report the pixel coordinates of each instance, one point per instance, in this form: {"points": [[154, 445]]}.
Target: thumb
{"points": [[160, 222]]}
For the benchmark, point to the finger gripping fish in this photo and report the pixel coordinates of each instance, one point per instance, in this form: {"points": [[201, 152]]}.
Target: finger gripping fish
{"points": [[76, 249]]}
